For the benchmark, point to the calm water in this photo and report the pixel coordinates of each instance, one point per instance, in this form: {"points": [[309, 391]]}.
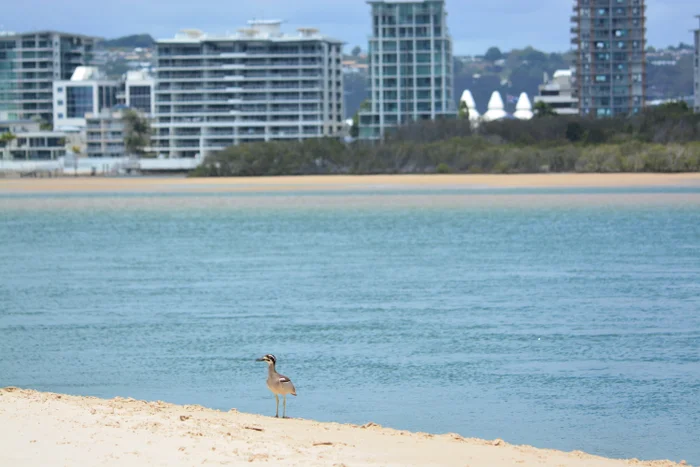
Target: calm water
{"points": [[561, 320]]}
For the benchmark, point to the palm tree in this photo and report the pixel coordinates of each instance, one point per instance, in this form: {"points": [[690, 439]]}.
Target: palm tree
{"points": [[7, 139], [543, 109]]}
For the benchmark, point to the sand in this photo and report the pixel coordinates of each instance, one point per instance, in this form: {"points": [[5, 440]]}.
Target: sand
{"points": [[41, 429], [340, 182]]}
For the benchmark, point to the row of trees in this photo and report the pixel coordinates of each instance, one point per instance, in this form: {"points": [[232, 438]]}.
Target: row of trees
{"points": [[662, 139]]}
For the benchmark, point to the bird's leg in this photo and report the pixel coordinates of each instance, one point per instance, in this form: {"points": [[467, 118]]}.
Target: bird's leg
{"points": [[284, 413], [277, 412]]}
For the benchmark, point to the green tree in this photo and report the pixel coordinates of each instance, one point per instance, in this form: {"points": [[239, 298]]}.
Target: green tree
{"points": [[137, 132], [356, 51], [493, 54], [542, 109], [463, 111], [6, 139], [355, 129]]}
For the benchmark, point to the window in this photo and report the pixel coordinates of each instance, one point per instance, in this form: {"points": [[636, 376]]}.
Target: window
{"points": [[59, 102], [59, 89], [60, 116], [79, 101]]}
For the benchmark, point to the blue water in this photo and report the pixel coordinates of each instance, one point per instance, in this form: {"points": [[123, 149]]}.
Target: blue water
{"points": [[542, 320]]}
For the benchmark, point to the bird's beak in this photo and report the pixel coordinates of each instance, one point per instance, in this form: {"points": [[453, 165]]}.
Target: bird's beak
{"points": [[259, 359]]}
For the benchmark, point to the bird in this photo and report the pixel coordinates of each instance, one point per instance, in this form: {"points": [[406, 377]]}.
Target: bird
{"points": [[277, 383]]}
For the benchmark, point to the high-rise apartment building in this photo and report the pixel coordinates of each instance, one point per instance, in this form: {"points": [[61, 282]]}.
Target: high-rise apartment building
{"points": [[258, 84], [697, 68], [30, 62], [610, 67], [410, 65]]}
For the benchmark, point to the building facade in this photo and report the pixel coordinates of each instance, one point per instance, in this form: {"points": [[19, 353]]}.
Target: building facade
{"points": [[558, 93], [86, 92], [137, 92], [258, 84], [697, 68], [38, 145], [105, 134], [410, 65], [30, 62], [610, 68]]}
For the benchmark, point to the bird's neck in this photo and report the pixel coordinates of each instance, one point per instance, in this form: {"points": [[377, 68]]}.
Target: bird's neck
{"points": [[271, 369]]}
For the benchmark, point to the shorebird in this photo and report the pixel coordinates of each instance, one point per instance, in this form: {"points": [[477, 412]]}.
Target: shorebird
{"points": [[277, 383]]}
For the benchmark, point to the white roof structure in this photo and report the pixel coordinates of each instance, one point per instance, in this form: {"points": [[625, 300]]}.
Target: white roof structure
{"points": [[264, 30], [86, 73], [523, 109], [496, 109], [468, 99]]}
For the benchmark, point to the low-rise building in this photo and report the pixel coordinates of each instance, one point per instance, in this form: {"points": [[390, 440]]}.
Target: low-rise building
{"points": [[38, 145], [105, 134], [558, 93]]}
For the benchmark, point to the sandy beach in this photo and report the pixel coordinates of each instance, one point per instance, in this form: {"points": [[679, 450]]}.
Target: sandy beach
{"points": [[38, 428], [340, 182]]}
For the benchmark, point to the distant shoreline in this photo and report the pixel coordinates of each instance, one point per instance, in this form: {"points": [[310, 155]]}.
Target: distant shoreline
{"points": [[343, 182], [46, 429]]}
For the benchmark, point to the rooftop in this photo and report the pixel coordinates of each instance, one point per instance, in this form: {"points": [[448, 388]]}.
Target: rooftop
{"points": [[266, 30], [10, 34]]}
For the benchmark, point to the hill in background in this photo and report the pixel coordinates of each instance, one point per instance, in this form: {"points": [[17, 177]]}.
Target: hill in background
{"points": [[130, 42]]}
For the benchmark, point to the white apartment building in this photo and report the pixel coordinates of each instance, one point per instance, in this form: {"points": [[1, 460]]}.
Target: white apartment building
{"points": [[559, 93], [411, 71], [138, 90], [86, 92], [30, 62], [258, 84], [105, 134]]}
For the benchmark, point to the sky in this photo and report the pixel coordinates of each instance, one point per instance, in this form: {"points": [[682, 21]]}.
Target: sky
{"points": [[475, 25]]}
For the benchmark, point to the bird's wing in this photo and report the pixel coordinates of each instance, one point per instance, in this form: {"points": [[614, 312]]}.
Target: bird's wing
{"points": [[284, 379]]}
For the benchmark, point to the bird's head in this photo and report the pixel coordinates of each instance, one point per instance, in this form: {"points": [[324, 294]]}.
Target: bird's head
{"points": [[269, 358]]}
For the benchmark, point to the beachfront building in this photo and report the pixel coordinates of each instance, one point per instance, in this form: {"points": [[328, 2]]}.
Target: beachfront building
{"points": [[29, 64], [410, 65], [138, 89], [87, 91], [258, 84], [610, 71], [105, 134], [35, 145], [697, 68], [558, 93]]}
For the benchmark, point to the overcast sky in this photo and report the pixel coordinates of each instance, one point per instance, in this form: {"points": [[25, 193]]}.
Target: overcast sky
{"points": [[474, 24]]}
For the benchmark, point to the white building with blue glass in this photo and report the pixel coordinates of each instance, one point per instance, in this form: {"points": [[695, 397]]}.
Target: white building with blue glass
{"points": [[86, 92]]}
